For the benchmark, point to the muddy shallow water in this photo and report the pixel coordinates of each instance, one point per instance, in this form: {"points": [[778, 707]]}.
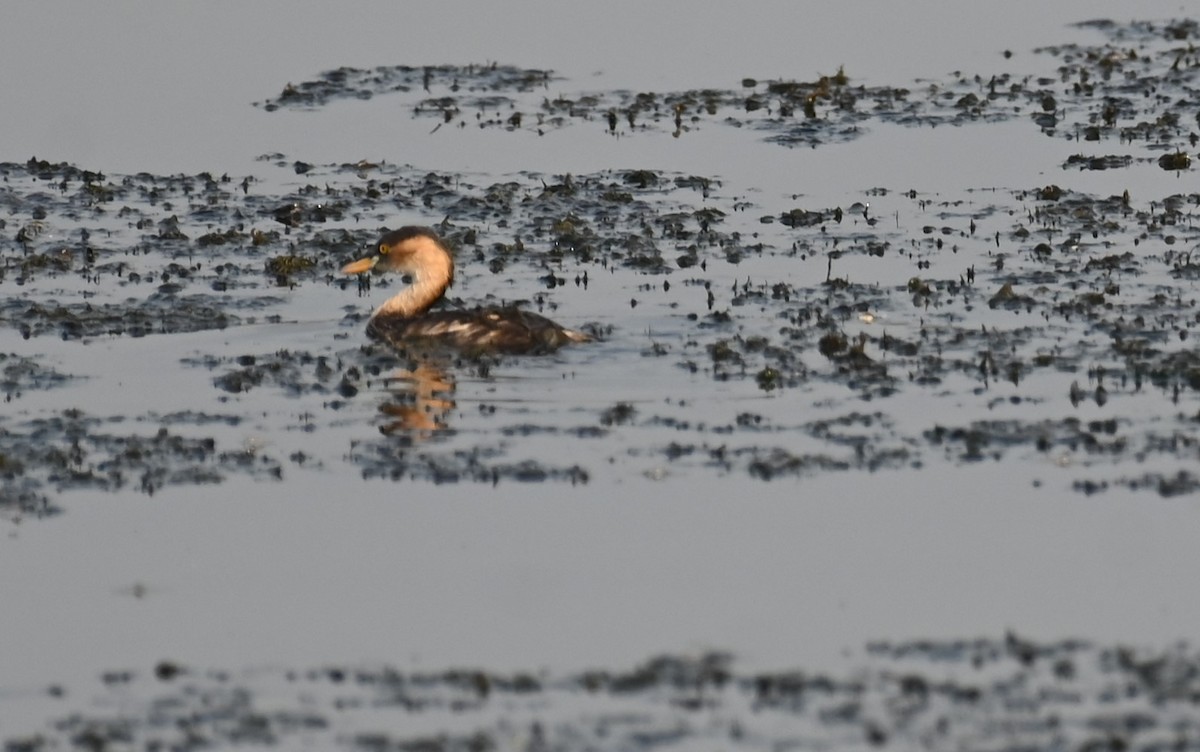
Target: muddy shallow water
{"points": [[878, 358]]}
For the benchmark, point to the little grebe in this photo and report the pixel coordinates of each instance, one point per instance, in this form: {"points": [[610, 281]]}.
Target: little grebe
{"points": [[405, 318]]}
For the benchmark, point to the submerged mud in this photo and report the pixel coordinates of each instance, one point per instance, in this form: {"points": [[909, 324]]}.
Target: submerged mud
{"points": [[1037, 325], [968, 694]]}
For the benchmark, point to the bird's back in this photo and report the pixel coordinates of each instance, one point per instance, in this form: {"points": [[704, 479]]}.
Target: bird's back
{"points": [[493, 329]]}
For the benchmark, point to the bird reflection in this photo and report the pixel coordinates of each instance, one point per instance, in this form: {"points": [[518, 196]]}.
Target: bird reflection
{"points": [[421, 398]]}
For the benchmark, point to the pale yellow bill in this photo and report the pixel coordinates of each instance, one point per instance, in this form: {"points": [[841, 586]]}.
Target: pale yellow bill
{"points": [[360, 266]]}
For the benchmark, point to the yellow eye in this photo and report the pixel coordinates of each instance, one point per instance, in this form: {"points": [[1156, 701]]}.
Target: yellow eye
{"points": [[383, 249]]}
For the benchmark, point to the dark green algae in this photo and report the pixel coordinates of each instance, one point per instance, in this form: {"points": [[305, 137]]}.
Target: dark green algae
{"points": [[981, 693], [1094, 287]]}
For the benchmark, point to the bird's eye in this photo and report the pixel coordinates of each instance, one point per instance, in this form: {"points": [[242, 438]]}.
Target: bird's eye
{"points": [[383, 249]]}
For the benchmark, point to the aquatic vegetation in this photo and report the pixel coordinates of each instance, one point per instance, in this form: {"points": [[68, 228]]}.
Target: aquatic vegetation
{"points": [[479, 84], [924, 693], [1102, 87], [776, 335], [73, 449], [19, 374], [285, 266], [993, 300]]}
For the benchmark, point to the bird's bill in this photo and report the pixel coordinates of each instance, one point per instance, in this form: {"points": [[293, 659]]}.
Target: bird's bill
{"points": [[360, 266]]}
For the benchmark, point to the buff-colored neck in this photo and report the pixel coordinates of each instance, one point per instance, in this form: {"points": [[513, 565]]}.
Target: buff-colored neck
{"points": [[432, 271]]}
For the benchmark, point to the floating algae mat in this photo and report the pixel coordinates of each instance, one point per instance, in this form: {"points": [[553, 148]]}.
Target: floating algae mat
{"points": [[742, 333]]}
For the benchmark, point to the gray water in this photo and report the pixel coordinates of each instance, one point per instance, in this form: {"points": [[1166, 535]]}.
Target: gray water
{"points": [[655, 552]]}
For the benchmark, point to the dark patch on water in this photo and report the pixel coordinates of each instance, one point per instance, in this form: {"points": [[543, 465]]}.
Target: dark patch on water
{"points": [[473, 86], [485, 463], [19, 374], [299, 373], [1123, 88], [930, 694], [157, 314], [73, 449]]}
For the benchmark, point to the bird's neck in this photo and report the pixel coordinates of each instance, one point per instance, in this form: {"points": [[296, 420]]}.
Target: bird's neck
{"points": [[431, 277]]}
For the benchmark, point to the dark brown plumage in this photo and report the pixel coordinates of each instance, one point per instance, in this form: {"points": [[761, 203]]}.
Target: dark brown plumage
{"points": [[405, 319]]}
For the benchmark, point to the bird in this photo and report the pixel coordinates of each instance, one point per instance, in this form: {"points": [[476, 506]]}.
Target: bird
{"points": [[405, 319]]}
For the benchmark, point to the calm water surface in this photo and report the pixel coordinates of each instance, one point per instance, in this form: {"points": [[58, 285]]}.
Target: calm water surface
{"points": [[649, 556]]}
